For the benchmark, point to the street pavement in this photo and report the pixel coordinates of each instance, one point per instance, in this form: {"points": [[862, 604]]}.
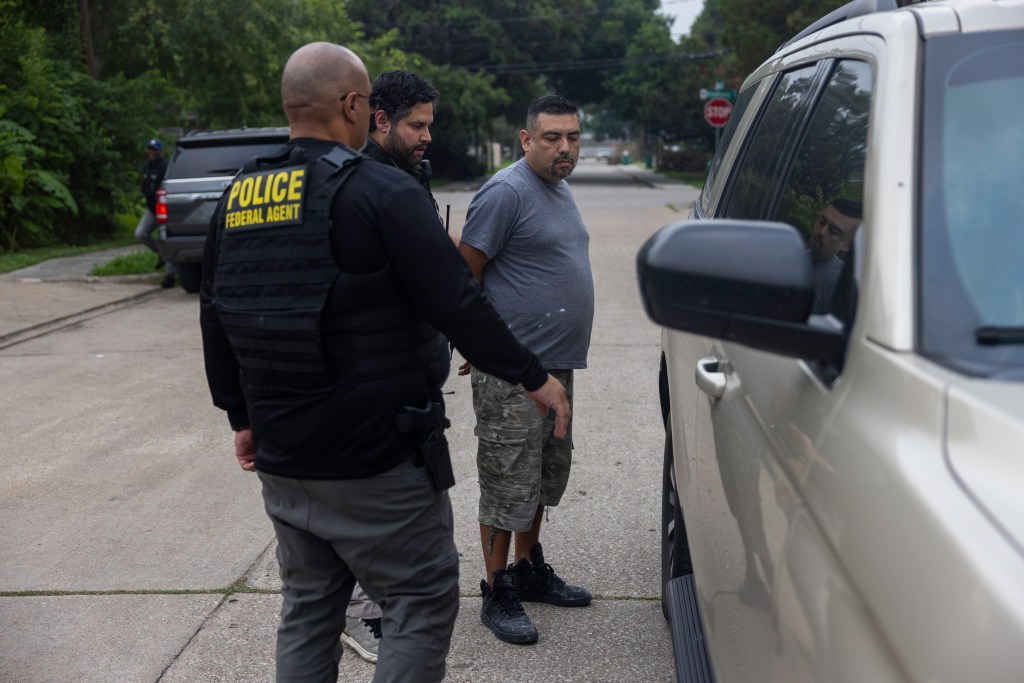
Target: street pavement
{"points": [[133, 548]]}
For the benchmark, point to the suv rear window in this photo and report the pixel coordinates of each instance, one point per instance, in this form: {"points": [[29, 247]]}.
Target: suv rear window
{"points": [[218, 160]]}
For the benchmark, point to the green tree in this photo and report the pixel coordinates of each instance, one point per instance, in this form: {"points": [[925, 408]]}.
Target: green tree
{"points": [[569, 47], [663, 96], [531, 48], [29, 195], [225, 56], [70, 144], [753, 29], [60, 141]]}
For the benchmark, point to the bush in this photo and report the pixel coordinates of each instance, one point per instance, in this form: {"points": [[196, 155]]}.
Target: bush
{"points": [[70, 146]]}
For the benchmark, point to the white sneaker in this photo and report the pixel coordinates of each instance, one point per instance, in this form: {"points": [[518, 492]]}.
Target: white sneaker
{"points": [[363, 636]]}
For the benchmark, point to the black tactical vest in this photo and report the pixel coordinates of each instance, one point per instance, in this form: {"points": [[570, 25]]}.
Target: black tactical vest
{"points": [[294, 321]]}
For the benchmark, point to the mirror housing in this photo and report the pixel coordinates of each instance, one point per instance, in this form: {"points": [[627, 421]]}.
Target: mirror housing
{"points": [[748, 282]]}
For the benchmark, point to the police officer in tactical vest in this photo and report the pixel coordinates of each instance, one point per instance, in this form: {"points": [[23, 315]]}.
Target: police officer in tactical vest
{"points": [[321, 294]]}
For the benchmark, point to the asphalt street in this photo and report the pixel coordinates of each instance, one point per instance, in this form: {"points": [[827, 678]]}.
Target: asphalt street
{"points": [[134, 549]]}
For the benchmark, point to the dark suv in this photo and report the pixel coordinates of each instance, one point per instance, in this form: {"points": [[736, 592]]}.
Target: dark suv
{"points": [[203, 164]]}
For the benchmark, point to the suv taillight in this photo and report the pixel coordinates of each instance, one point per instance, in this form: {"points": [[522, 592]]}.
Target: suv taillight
{"points": [[161, 206]]}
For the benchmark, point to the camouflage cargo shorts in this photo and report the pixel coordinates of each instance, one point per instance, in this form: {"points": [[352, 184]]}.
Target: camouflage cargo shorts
{"points": [[520, 463]]}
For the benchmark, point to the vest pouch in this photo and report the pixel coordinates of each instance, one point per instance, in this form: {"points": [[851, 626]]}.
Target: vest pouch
{"points": [[278, 349]]}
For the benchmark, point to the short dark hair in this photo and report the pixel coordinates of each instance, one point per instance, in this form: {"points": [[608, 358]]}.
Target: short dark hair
{"points": [[397, 92], [848, 207], [549, 104]]}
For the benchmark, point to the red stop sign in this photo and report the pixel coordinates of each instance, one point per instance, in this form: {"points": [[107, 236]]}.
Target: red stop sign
{"points": [[717, 112]]}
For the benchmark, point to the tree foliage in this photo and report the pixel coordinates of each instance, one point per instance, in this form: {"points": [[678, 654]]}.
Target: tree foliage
{"points": [[225, 57], [529, 48], [84, 82], [62, 139], [751, 31], [663, 97]]}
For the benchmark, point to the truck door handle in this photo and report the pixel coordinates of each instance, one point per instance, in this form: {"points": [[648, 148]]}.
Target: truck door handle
{"points": [[709, 379]]}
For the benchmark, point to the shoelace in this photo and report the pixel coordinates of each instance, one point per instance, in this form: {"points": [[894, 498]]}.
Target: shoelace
{"points": [[374, 626], [508, 602], [547, 575]]}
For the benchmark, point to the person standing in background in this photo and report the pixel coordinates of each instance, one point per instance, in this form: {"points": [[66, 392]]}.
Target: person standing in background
{"points": [[153, 171]]}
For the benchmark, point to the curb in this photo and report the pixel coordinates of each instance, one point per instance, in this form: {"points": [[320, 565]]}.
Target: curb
{"points": [[91, 279], [39, 329]]}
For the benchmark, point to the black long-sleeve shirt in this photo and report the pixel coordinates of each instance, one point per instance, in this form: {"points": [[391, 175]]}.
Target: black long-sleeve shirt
{"points": [[381, 216], [153, 172]]}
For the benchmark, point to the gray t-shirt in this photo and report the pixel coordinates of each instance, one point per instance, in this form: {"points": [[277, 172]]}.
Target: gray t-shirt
{"points": [[538, 275]]}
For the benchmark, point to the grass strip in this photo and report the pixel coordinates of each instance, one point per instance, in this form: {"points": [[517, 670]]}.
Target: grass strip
{"points": [[138, 263]]}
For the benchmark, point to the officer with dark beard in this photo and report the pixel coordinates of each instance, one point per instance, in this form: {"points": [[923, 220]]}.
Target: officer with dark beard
{"points": [[403, 105], [321, 292]]}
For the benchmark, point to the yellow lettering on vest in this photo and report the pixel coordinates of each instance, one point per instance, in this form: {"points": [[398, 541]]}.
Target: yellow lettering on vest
{"points": [[257, 198], [233, 195], [295, 185], [276, 183], [245, 196], [268, 195]]}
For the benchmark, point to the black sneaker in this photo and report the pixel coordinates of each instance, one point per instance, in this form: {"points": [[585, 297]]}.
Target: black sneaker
{"points": [[502, 612], [167, 282], [538, 582]]}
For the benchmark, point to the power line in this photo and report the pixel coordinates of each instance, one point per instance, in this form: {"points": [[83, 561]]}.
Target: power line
{"points": [[581, 64], [492, 20]]}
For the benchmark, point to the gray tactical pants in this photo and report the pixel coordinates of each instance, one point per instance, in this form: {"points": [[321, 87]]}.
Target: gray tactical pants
{"points": [[361, 606], [144, 235], [393, 533]]}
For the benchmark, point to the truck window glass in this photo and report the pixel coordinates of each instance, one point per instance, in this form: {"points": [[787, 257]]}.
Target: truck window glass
{"points": [[823, 195], [755, 181], [723, 144]]}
